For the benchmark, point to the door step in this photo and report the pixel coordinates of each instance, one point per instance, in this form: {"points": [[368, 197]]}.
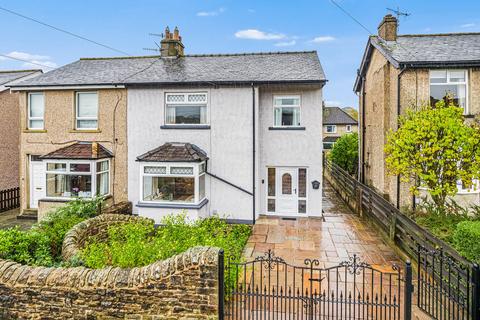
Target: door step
{"points": [[28, 214]]}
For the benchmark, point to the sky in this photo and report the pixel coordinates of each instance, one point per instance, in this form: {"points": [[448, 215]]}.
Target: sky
{"points": [[216, 26]]}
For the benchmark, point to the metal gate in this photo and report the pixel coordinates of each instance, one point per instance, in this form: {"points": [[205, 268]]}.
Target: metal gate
{"points": [[270, 288]]}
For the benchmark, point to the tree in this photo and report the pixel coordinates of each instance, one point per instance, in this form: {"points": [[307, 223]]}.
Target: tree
{"points": [[345, 152], [435, 148]]}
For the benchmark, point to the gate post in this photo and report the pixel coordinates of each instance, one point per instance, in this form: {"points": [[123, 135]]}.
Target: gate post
{"points": [[407, 308], [476, 292], [221, 285]]}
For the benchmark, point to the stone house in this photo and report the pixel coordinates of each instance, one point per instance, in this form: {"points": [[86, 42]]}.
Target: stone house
{"points": [[336, 122], [229, 134], [399, 71], [10, 127]]}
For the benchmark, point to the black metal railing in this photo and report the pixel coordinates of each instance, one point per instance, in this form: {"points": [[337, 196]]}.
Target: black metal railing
{"points": [[270, 288], [9, 199], [448, 285]]}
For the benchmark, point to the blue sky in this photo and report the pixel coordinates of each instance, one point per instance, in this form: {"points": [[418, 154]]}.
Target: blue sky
{"points": [[214, 26]]}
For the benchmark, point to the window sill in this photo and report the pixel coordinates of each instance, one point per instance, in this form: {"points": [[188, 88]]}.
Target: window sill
{"points": [[34, 131], [86, 131], [187, 127], [469, 116], [64, 200], [287, 128], [172, 205]]}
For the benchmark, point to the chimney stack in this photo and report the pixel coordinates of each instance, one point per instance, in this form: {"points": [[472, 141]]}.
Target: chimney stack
{"points": [[94, 150], [171, 45], [387, 30]]}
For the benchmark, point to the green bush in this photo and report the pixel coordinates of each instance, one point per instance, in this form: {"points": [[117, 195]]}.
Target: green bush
{"points": [[42, 244], [345, 152], [467, 240]]}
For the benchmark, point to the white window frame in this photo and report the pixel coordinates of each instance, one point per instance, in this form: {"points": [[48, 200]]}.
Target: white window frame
{"points": [[97, 173], [466, 109], [93, 173], [475, 188], [348, 128], [197, 172], [332, 126], [78, 118], [299, 107], [267, 197], [185, 102], [30, 118]]}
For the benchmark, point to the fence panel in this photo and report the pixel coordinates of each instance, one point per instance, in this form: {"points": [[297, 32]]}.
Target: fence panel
{"points": [[9, 199]]}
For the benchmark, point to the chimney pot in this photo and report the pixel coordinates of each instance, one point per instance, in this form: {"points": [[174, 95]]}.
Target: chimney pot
{"points": [[171, 45], [387, 30]]}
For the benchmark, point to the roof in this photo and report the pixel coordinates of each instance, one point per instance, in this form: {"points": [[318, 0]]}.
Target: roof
{"points": [[274, 67], [335, 115], [175, 152], [331, 139], [11, 75], [79, 151], [425, 50]]}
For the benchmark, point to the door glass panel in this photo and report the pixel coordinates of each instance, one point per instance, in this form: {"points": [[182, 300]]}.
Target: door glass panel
{"points": [[271, 182], [271, 205], [302, 206], [302, 183], [286, 183]]}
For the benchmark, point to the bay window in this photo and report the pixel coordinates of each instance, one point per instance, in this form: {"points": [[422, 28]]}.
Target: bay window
{"points": [[186, 108], [36, 110], [173, 183], [451, 84], [286, 111], [77, 179]]}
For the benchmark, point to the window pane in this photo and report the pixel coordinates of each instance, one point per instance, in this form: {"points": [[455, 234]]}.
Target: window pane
{"points": [[68, 186], [103, 183], [102, 166], [438, 76], [286, 183], [197, 97], [175, 189], [87, 104], [87, 124], [175, 98], [290, 116], [36, 124], [37, 106], [271, 205], [292, 101], [302, 183], [457, 76], [56, 167], [80, 167], [201, 186], [302, 206], [271, 182], [155, 170], [456, 92], [181, 170], [186, 114]]}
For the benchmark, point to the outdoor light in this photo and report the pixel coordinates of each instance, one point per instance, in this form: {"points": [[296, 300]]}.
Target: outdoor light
{"points": [[315, 184]]}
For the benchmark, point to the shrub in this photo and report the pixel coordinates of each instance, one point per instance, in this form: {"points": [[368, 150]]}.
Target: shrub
{"points": [[345, 152], [467, 240]]}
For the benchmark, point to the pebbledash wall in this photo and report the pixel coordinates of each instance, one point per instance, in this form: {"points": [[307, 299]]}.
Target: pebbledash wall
{"points": [[182, 287]]}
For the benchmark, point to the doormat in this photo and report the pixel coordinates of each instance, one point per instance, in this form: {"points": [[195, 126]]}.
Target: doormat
{"points": [[289, 219]]}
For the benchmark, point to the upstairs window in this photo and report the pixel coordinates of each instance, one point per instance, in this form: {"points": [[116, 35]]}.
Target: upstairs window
{"points": [[449, 83], [286, 111], [186, 108], [331, 129], [349, 128], [86, 111], [36, 110]]}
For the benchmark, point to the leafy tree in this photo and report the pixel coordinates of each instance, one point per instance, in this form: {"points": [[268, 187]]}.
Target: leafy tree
{"points": [[345, 152], [436, 148]]}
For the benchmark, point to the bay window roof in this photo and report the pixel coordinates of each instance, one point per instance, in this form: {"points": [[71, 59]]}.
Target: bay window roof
{"points": [[174, 152], [80, 151]]}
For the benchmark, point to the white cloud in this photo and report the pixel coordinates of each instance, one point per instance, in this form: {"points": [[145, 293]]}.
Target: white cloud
{"points": [[210, 13], [255, 34], [468, 25], [322, 39], [286, 43], [31, 60]]}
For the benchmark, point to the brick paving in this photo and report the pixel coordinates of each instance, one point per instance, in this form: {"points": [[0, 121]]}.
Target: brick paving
{"points": [[336, 238]]}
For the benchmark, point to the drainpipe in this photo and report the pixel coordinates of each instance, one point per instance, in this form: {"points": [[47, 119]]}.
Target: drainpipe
{"points": [[399, 76], [253, 154], [363, 130]]}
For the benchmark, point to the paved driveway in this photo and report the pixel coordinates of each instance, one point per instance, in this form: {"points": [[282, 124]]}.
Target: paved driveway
{"points": [[332, 241]]}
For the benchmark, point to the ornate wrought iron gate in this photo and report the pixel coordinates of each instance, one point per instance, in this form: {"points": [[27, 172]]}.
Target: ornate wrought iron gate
{"points": [[270, 288]]}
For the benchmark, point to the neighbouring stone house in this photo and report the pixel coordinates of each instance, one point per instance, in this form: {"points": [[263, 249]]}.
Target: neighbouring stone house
{"points": [[10, 127], [399, 71], [231, 134], [336, 122]]}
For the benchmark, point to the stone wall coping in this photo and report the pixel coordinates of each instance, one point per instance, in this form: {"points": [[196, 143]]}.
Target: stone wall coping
{"points": [[13, 274]]}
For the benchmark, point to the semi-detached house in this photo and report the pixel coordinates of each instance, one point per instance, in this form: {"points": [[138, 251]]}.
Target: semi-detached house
{"points": [[236, 135]]}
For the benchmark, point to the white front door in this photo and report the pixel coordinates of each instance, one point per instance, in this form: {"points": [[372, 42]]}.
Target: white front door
{"points": [[287, 190], [37, 182]]}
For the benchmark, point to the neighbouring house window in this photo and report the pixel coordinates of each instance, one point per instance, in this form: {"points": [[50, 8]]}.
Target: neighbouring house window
{"points": [[331, 129], [86, 111], [286, 111], [302, 190], [170, 183], [327, 145], [349, 128], [36, 110], [449, 83], [186, 108]]}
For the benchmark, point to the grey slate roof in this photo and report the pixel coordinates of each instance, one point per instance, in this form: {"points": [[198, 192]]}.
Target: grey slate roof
{"points": [[221, 68], [8, 76], [174, 152], [335, 115]]}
